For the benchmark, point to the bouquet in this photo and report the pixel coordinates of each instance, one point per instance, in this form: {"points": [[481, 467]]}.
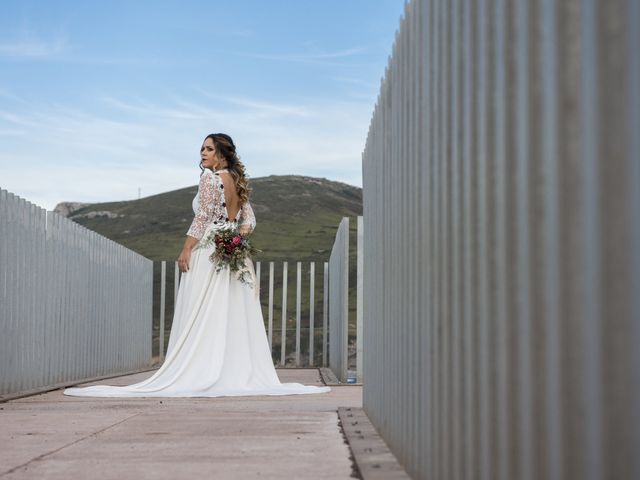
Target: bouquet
{"points": [[231, 251]]}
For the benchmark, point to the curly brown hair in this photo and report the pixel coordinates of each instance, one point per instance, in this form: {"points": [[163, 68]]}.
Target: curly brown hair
{"points": [[225, 147]]}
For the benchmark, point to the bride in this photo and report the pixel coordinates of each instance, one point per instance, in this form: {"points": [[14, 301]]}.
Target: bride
{"points": [[218, 345]]}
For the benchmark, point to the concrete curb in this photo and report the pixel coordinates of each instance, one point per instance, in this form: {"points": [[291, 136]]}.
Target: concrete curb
{"points": [[330, 378], [372, 456], [69, 383]]}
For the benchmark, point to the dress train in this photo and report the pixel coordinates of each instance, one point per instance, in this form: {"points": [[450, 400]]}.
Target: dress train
{"points": [[217, 346]]}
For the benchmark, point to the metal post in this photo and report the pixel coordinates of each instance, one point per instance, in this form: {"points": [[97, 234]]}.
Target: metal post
{"points": [[298, 295], [176, 283], [359, 325], [312, 283], [163, 281], [283, 339], [270, 314], [325, 313]]}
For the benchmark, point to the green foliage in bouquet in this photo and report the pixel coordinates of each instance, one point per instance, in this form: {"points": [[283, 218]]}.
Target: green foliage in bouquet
{"points": [[231, 251]]}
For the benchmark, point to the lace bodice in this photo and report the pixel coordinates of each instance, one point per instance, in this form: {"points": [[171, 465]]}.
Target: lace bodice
{"points": [[209, 207]]}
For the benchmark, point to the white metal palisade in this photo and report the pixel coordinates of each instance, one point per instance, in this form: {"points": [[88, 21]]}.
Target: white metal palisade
{"points": [[501, 186], [73, 304]]}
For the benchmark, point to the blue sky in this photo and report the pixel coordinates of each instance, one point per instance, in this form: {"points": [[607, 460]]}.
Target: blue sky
{"points": [[100, 99]]}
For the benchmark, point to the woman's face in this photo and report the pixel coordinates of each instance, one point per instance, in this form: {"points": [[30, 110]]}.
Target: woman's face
{"points": [[208, 155]]}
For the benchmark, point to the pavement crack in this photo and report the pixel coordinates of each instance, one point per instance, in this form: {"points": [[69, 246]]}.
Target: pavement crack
{"points": [[56, 450]]}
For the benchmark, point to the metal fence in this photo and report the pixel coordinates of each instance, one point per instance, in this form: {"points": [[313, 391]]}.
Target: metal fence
{"points": [[73, 304], [501, 178], [339, 302], [359, 299], [299, 330]]}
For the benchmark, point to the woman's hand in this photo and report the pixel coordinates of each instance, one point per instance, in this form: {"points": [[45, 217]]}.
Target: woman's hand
{"points": [[183, 260], [185, 255], [245, 230]]}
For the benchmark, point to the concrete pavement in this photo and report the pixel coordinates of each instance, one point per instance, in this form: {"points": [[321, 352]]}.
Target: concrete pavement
{"points": [[54, 436]]}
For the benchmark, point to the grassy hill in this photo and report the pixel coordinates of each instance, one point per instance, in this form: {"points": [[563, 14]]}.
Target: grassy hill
{"points": [[297, 218]]}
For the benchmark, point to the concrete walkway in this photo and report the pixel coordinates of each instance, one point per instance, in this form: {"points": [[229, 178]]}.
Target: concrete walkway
{"points": [[53, 436]]}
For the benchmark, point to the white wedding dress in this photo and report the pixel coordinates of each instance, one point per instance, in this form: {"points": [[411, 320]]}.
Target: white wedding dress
{"points": [[218, 345]]}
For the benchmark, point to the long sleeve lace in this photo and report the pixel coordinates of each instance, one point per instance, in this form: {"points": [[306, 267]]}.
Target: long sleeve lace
{"points": [[206, 207], [248, 218]]}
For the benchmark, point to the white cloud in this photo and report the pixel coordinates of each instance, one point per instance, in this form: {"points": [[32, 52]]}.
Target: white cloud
{"points": [[356, 81], [30, 46], [313, 56], [259, 106], [58, 154]]}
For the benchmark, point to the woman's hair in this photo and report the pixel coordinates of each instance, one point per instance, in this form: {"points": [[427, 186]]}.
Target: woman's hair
{"points": [[227, 149]]}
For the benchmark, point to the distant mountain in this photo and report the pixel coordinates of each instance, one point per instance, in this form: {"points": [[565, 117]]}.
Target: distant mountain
{"points": [[297, 217]]}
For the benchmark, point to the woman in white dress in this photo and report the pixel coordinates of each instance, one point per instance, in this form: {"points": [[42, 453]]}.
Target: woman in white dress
{"points": [[218, 345]]}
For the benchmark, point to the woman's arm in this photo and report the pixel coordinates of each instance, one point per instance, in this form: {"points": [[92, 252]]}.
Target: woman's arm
{"points": [[201, 220], [185, 255], [248, 219]]}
